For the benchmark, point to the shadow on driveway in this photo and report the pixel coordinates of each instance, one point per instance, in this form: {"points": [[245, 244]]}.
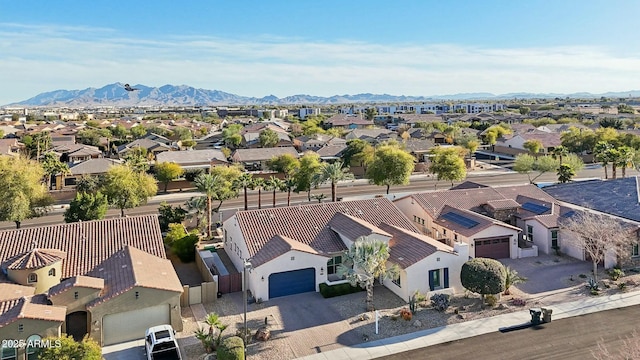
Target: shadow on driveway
{"points": [[548, 272]]}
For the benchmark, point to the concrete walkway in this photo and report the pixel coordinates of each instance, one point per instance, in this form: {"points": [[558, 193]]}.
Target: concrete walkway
{"points": [[429, 337]]}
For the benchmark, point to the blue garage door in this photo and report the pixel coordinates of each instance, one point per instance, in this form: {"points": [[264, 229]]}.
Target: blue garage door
{"points": [[292, 282]]}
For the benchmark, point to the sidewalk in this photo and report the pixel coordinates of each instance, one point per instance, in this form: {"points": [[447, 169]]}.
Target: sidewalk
{"points": [[429, 337]]}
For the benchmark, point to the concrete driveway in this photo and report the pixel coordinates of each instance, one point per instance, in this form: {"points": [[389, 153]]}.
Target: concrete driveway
{"points": [[547, 273], [132, 350]]}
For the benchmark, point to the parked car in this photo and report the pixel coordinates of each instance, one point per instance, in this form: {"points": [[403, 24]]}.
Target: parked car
{"points": [[161, 344]]}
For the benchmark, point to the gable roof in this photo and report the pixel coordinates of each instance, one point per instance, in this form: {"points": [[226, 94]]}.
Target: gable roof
{"points": [[279, 245], [88, 243], [190, 156], [11, 291], [262, 154], [309, 224], [619, 197], [92, 166], [407, 247], [30, 307], [352, 227], [33, 259], [79, 281]]}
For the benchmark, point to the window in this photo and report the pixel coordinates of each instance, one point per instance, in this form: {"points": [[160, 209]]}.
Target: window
{"points": [[396, 280], [32, 351], [332, 265], [529, 232], [8, 353], [52, 272], [635, 251], [554, 239], [20, 327], [439, 279], [75, 295], [32, 278]]}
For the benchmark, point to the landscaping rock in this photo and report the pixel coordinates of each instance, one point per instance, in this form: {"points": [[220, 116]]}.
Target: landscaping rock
{"points": [[365, 316], [263, 334], [417, 323], [502, 307], [460, 316]]}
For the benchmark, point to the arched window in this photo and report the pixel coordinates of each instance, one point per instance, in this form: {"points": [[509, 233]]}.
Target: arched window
{"points": [[52, 272], [32, 278], [8, 353], [32, 347]]}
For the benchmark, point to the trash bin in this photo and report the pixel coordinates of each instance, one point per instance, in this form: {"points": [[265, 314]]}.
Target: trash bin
{"points": [[219, 294], [546, 315], [535, 315]]}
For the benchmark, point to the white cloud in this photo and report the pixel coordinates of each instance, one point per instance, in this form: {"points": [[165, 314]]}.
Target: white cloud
{"points": [[39, 59]]}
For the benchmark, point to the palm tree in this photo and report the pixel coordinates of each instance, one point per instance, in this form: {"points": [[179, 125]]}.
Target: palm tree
{"points": [[366, 261], [288, 185], [601, 154], [244, 182], [197, 207], [213, 320], [513, 278], [625, 160], [560, 151], [258, 183], [208, 184], [274, 184], [333, 173]]}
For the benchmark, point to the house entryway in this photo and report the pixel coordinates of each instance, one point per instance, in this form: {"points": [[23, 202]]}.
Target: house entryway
{"points": [[76, 324], [495, 248], [292, 282]]}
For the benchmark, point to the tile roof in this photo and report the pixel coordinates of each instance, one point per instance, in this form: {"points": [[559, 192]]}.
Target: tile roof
{"points": [[190, 156], [11, 291], [480, 222], [352, 227], [88, 243], [92, 166], [408, 247], [279, 245], [33, 259], [262, 154], [331, 150], [77, 281], [469, 199], [503, 204], [30, 307], [619, 197], [131, 267], [468, 185], [309, 224], [346, 119]]}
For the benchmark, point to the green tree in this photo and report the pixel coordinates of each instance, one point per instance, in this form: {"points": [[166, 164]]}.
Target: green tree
{"points": [[136, 159], [167, 172], [524, 110], [119, 132], [309, 166], [217, 186], [332, 173], [53, 166], [170, 215], [273, 184], [126, 188], [625, 158], [370, 113], [258, 184], [268, 138], [288, 184], [391, 166], [559, 152], [182, 133], [525, 164], [285, 163], [578, 140], [565, 173], [185, 247], [244, 182], [86, 207], [483, 276], [197, 208], [359, 151], [533, 146], [512, 278], [22, 194], [138, 132], [231, 135], [68, 349], [602, 154], [366, 261], [88, 184], [39, 143], [231, 348], [448, 163]]}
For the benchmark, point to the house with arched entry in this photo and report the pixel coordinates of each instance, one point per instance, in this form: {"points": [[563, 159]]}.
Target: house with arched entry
{"points": [[109, 279]]}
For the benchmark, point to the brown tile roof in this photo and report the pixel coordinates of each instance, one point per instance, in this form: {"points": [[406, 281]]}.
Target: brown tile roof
{"points": [[352, 227], [262, 154], [309, 224], [33, 259], [87, 244], [190, 156], [331, 150], [93, 166], [131, 267], [10, 291], [77, 281], [469, 199], [279, 245], [345, 119], [408, 247], [30, 307], [503, 204]]}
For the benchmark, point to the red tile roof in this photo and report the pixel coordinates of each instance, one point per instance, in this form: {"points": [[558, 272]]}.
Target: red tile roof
{"points": [[279, 245], [408, 247], [87, 244], [352, 227], [309, 224], [33, 259], [12, 291], [77, 281]]}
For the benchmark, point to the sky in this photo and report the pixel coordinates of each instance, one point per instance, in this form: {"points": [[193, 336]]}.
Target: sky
{"points": [[325, 47]]}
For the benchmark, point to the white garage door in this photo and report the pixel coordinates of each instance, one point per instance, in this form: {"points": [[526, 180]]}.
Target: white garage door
{"points": [[131, 325]]}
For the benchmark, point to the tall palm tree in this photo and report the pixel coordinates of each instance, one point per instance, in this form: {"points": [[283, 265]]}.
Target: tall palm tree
{"points": [[601, 154], [288, 185], [258, 183], [244, 182], [332, 173], [627, 154], [560, 151], [273, 184], [197, 207], [208, 184]]}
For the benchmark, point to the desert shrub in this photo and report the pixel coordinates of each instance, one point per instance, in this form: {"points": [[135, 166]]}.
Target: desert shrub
{"points": [[519, 302], [491, 300], [406, 314], [185, 248], [615, 274], [440, 302], [622, 286], [329, 291], [231, 348]]}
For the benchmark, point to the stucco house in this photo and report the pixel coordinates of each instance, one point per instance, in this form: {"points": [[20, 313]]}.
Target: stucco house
{"points": [[256, 159], [191, 159], [109, 279], [293, 249]]}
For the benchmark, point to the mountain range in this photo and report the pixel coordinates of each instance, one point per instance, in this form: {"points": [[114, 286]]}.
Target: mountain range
{"points": [[183, 95]]}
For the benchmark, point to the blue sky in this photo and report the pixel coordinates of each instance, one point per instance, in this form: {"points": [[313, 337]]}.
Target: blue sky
{"points": [[328, 47]]}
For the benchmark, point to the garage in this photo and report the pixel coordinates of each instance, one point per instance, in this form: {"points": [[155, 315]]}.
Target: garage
{"points": [[495, 248], [292, 282], [131, 325]]}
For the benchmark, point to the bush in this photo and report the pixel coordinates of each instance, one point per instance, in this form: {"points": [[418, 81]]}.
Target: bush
{"points": [[185, 248], [615, 274], [231, 348], [176, 232], [491, 300], [483, 276], [440, 302], [519, 302], [329, 291], [192, 174], [406, 314], [67, 348]]}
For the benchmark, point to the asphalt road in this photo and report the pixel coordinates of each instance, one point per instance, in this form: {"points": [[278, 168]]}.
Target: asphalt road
{"points": [[566, 339], [347, 189]]}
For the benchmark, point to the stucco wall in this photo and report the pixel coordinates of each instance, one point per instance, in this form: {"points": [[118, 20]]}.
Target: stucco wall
{"points": [[493, 231], [234, 244], [29, 327], [45, 281], [541, 236]]}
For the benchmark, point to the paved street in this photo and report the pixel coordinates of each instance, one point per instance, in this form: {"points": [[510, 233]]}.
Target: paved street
{"points": [[566, 339]]}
